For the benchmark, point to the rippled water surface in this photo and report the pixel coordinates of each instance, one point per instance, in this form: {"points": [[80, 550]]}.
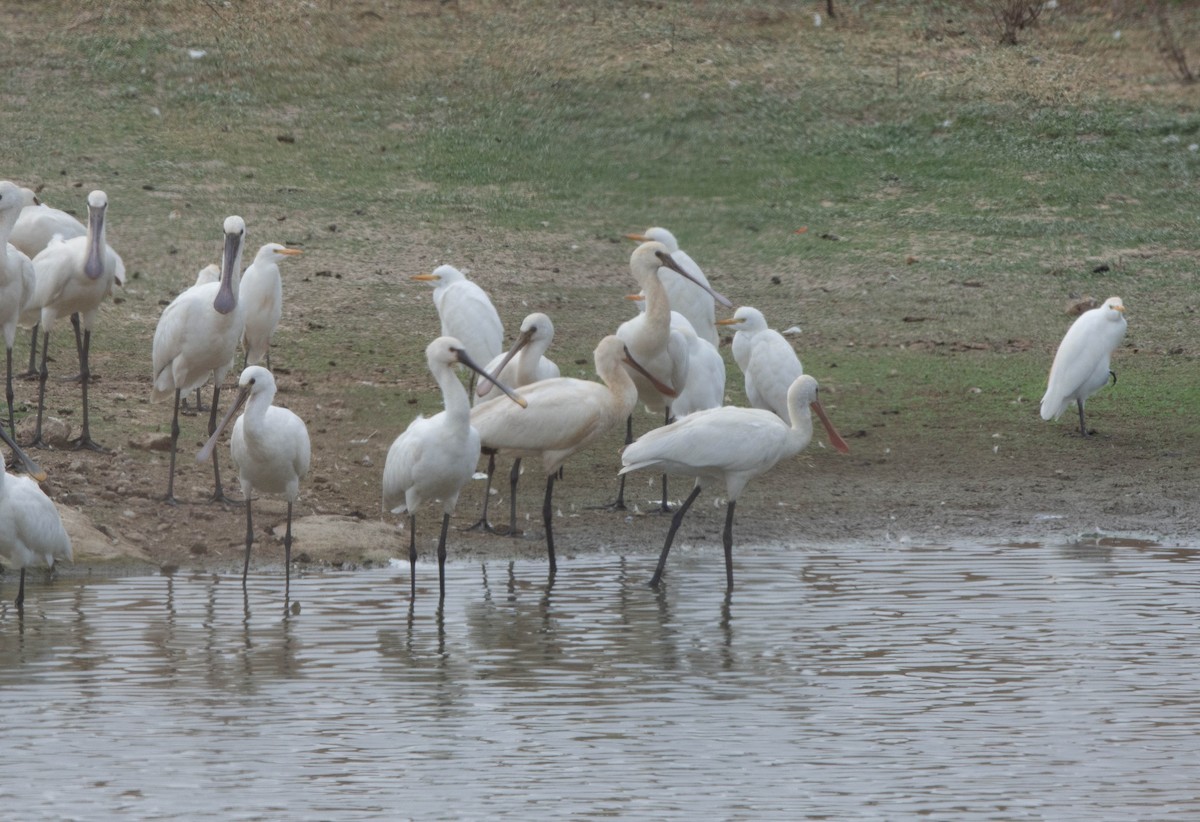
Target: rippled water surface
{"points": [[851, 682]]}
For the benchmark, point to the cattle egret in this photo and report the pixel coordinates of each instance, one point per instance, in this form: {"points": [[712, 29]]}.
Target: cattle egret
{"points": [[31, 529], [271, 449], [73, 277], [435, 457], [768, 361], [698, 305], [1081, 364], [467, 314], [262, 294], [563, 416], [729, 445], [529, 366], [197, 336]]}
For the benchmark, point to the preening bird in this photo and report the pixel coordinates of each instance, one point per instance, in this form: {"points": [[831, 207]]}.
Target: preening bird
{"points": [[705, 384], [729, 445], [767, 360], [650, 340], [197, 336], [1081, 364], [467, 313], [31, 529], [271, 449], [16, 280], [698, 305], [262, 294], [563, 415], [72, 277], [436, 456], [523, 364]]}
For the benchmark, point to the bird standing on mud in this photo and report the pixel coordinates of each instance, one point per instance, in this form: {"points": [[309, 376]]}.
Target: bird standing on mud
{"points": [[1081, 364]]}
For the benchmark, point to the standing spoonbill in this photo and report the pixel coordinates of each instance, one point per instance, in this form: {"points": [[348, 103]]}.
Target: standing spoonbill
{"points": [[730, 445], [1081, 364], [435, 457], [698, 305], [16, 280], [531, 365], [262, 293], [197, 336], [271, 450], [768, 361], [31, 529], [73, 277], [563, 416], [467, 314], [650, 341]]}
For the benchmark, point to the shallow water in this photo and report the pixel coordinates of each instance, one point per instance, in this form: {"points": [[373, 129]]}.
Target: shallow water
{"points": [[850, 682]]}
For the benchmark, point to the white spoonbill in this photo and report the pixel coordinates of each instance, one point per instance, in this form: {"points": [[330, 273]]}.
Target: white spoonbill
{"points": [[650, 341], [729, 445], [31, 529], [1081, 364], [531, 365], [435, 456], [768, 361], [271, 450], [38, 226], [698, 306], [467, 313], [563, 416], [73, 277], [197, 336], [16, 280], [262, 294]]}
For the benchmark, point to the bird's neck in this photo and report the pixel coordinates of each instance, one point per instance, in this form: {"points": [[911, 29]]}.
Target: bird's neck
{"points": [[454, 396]]}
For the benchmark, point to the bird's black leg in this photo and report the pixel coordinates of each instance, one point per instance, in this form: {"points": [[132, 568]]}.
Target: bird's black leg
{"points": [[675, 522], [441, 555], [412, 554], [666, 506], [249, 538], [1082, 425], [548, 520], [43, 375], [85, 374], [170, 498], [32, 372], [514, 476], [619, 505], [483, 524], [20, 601], [8, 390], [287, 558], [218, 489], [727, 539]]}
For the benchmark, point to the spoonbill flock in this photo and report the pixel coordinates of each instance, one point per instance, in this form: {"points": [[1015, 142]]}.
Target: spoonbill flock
{"points": [[666, 358]]}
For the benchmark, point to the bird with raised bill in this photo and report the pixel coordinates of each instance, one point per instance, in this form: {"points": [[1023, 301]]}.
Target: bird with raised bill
{"points": [[731, 446], [31, 529], [272, 452], [435, 456], [1081, 364], [73, 277], [196, 337]]}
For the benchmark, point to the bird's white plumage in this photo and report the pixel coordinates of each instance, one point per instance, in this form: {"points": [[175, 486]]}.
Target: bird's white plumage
{"points": [[1081, 364], [31, 530], [768, 362], [694, 303], [435, 456], [39, 225], [270, 444], [704, 385], [728, 444], [563, 414], [529, 364], [16, 269], [466, 313], [193, 339], [261, 293]]}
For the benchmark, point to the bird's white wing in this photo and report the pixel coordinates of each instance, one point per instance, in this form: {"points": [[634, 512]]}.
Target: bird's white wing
{"points": [[403, 458], [726, 439]]}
